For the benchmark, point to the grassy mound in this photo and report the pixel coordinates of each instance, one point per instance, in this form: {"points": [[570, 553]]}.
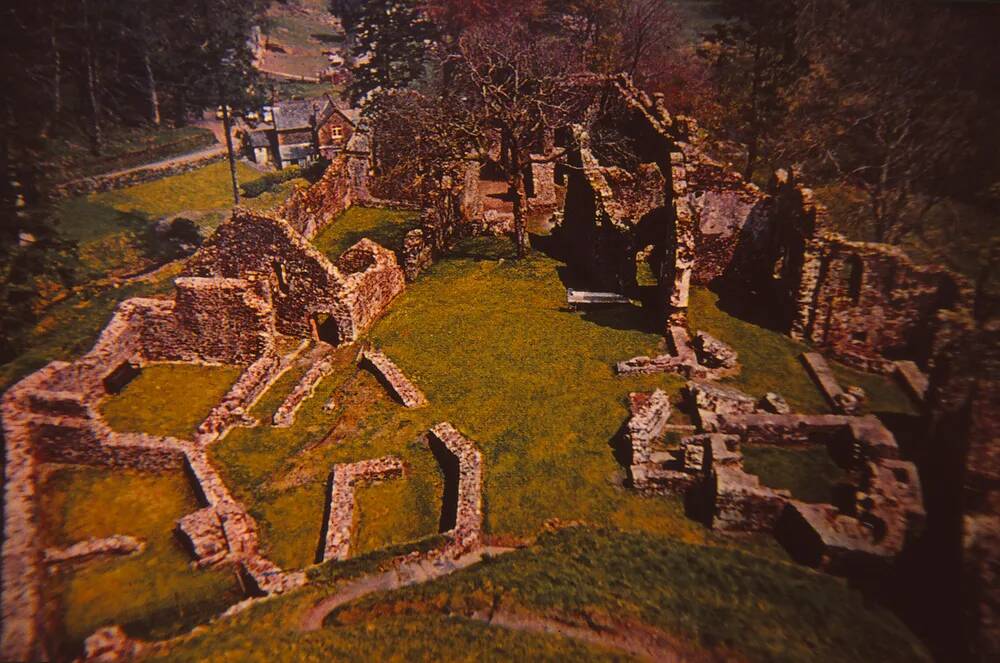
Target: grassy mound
{"points": [[713, 597]]}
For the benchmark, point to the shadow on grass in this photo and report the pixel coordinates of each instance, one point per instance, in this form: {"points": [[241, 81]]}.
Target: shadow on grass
{"points": [[748, 306]]}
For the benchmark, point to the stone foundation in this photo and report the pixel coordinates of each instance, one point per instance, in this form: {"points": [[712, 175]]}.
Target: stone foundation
{"points": [[111, 545], [467, 462], [340, 518], [322, 365], [393, 378]]}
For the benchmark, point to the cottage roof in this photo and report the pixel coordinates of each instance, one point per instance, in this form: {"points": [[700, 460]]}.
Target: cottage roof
{"points": [[259, 139], [294, 114]]}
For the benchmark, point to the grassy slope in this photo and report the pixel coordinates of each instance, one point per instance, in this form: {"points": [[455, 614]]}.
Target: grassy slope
{"points": [[124, 147], [114, 229], [710, 596], [382, 226], [154, 593], [706, 597], [303, 31], [169, 399]]}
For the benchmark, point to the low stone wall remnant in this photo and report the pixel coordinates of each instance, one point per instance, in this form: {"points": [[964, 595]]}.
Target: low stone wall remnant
{"points": [[341, 505], [395, 380]]}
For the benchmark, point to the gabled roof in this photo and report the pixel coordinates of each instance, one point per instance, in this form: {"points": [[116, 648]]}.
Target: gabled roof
{"points": [[259, 139], [294, 114]]}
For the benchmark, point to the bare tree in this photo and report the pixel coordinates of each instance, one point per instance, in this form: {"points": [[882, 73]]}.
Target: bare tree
{"points": [[518, 86]]}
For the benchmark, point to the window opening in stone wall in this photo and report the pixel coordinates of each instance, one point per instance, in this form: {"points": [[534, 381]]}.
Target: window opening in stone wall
{"points": [[279, 274], [116, 380]]}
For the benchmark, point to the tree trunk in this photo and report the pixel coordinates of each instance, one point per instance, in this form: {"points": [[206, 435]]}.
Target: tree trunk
{"points": [[154, 101], [93, 105], [515, 188], [56, 73], [753, 139], [90, 85], [227, 127]]}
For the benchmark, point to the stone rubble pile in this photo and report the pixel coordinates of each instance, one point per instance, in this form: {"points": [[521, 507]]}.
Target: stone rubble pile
{"points": [[708, 358]]}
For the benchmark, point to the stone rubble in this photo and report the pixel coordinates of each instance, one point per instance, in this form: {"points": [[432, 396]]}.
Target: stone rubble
{"points": [[110, 645], [117, 544], [685, 359]]}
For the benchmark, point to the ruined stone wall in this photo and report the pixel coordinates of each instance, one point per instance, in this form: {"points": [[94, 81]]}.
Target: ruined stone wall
{"points": [[310, 209], [373, 279], [731, 217], [303, 282], [222, 320], [866, 303]]}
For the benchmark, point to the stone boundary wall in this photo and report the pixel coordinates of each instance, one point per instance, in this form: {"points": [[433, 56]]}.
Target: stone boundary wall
{"points": [[394, 378], [102, 183], [341, 504], [467, 533]]}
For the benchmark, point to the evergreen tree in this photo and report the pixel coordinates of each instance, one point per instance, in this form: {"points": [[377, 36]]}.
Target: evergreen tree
{"points": [[392, 39]]}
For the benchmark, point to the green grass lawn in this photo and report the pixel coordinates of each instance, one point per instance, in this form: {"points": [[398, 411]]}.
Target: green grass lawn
{"points": [[169, 399], [114, 229], [124, 147], [809, 472], [385, 227], [772, 362], [153, 594]]}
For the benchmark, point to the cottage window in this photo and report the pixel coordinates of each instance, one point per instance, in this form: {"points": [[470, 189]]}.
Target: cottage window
{"points": [[336, 133]]}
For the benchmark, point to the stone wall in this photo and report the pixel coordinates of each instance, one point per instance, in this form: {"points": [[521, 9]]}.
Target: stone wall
{"points": [[302, 281], [305, 285], [393, 378], [310, 209], [467, 532], [865, 303], [101, 183], [372, 279], [341, 504]]}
